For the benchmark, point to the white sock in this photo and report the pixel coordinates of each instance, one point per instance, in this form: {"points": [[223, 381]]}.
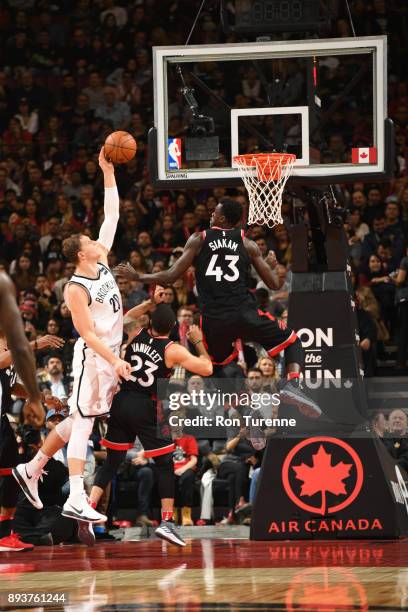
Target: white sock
{"points": [[76, 486], [37, 463]]}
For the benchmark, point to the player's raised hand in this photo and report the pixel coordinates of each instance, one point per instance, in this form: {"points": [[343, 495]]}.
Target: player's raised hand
{"points": [[50, 341], [194, 334], [126, 271], [122, 368], [271, 260], [158, 295], [105, 165], [33, 413]]}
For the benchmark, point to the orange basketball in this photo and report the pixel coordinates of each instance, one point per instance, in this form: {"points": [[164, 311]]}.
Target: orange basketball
{"points": [[120, 147]]}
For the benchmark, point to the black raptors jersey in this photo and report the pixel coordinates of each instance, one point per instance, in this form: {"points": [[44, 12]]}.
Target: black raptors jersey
{"points": [[222, 270], [8, 379], [146, 356]]}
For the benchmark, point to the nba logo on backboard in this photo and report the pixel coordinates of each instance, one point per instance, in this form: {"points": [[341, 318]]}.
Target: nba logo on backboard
{"points": [[174, 156]]}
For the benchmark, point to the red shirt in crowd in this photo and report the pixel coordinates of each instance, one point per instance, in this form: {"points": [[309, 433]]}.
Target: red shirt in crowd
{"points": [[186, 447]]}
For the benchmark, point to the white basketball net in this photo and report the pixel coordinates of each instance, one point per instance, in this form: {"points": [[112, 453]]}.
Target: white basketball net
{"points": [[265, 177]]}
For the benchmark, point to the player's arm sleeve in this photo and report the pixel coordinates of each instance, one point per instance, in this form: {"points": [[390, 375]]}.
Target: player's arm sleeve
{"points": [[111, 217], [177, 355], [180, 267], [260, 265]]}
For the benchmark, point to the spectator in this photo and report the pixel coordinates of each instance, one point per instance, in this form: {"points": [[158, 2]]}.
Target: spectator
{"points": [[185, 457], [396, 441], [233, 467], [140, 470], [270, 375], [113, 111], [379, 424], [53, 378], [46, 526], [368, 339], [401, 281], [95, 91]]}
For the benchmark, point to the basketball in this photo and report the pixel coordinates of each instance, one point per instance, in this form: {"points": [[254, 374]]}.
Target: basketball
{"points": [[120, 147]]}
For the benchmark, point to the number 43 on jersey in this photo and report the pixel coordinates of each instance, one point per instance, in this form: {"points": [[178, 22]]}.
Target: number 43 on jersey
{"points": [[215, 270]]}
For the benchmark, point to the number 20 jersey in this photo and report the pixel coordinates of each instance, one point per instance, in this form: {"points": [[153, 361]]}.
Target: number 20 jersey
{"points": [[222, 271], [146, 355], [105, 304]]}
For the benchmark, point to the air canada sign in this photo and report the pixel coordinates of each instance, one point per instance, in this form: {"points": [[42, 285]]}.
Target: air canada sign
{"points": [[323, 477]]}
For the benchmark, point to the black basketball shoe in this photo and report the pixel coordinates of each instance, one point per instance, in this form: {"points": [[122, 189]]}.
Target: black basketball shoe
{"points": [[291, 393]]}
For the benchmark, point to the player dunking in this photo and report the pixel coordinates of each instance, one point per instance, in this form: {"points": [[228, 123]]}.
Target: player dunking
{"points": [[222, 257], [96, 307], [152, 356]]}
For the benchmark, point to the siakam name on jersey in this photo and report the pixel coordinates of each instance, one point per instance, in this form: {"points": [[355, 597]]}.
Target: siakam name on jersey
{"points": [[223, 243]]}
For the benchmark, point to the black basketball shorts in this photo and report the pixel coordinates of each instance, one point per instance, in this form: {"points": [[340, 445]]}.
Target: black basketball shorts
{"points": [[131, 415], [250, 325], [9, 458]]}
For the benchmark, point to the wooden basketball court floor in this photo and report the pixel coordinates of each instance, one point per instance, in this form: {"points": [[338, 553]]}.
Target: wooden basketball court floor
{"points": [[211, 574]]}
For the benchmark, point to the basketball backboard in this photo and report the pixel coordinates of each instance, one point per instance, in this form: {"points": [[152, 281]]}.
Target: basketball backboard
{"points": [[324, 100]]}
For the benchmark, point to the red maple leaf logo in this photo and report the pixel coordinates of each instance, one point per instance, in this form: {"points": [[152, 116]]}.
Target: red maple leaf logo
{"points": [[363, 155], [322, 476]]}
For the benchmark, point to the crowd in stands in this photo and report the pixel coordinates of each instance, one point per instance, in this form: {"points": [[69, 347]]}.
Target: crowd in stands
{"points": [[73, 71]]}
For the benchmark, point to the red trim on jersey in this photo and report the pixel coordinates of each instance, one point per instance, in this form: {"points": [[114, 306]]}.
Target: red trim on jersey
{"points": [[118, 446], [160, 451], [228, 360], [262, 313], [203, 235], [281, 347], [223, 229], [202, 331], [242, 234], [5, 471]]}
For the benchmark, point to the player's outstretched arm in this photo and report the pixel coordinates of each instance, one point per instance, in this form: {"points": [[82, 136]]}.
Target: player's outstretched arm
{"points": [[138, 311], [147, 305], [82, 320], [23, 358], [46, 341], [264, 267], [111, 205], [166, 277], [177, 355]]}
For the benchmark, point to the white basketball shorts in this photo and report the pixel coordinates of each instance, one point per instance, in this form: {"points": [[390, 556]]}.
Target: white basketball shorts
{"points": [[95, 382]]}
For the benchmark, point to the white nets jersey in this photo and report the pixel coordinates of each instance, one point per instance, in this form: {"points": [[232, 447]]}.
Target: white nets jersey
{"points": [[105, 304], [95, 380]]}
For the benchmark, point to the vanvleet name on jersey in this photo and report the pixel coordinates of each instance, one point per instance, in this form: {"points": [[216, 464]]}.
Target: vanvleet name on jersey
{"points": [[139, 347]]}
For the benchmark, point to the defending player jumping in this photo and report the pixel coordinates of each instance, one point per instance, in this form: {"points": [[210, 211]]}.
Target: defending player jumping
{"points": [[222, 256], [96, 307], [133, 413]]}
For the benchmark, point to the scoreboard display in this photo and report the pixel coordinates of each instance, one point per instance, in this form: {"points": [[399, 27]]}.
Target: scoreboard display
{"points": [[262, 16]]}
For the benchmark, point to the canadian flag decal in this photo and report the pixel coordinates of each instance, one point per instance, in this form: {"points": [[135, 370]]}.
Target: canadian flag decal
{"points": [[364, 155]]}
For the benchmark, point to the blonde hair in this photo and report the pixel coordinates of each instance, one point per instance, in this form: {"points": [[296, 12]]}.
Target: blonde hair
{"points": [[275, 374]]}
